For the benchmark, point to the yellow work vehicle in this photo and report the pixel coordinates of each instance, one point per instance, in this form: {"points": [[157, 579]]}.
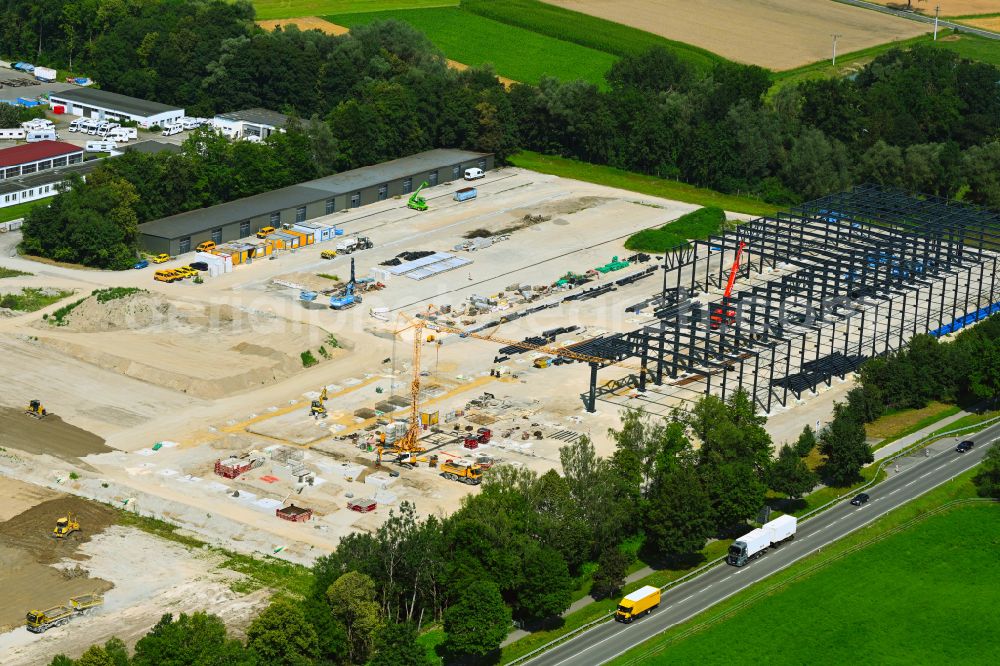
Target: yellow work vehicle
{"points": [[167, 275], [640, 602], [65, 526], [264, 231], [328, 254], [161, 258], [186, 271], [38, 621], [542, 362], [35, 409], [317, 410], [206, 246], [460, 470]]}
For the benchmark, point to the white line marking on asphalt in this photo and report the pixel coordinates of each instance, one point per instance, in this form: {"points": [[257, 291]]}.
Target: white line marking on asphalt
{"points": [[909, 484], [923, 475], [894, 491]]}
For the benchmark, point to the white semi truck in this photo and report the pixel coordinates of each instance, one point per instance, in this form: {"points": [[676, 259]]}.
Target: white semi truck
{"points": [[755, 543]]}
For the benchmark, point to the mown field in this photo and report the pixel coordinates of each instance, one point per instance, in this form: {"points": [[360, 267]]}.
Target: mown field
{"points": [[277, 9], [516, 53], [904, 599]]}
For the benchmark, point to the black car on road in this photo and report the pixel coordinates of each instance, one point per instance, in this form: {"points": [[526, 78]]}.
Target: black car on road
{"points": [[860, 499], [965, 446]]}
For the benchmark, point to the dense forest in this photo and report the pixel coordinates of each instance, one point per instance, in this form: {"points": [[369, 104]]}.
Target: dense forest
{"points": [[924, 120]]}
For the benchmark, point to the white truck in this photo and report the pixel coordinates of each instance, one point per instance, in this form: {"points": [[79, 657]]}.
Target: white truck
{"points": [[353, 243], [755, 543]]}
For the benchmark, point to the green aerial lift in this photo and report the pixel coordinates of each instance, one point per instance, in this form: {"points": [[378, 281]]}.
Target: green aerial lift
{"points": [[416, 201]]}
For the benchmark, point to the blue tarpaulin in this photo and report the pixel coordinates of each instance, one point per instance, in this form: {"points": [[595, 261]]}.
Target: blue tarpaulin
{"points": [[967, 320]]}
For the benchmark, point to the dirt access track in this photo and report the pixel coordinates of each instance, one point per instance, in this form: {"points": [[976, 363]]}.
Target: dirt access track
{"points": [[317, 23], [777, 34]]}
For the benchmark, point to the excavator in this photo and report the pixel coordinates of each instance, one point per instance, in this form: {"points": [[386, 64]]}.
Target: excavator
{"points": [[65, 526], [317, 409], [349, 298], [724, 314], [417, 202], [36, 410]]}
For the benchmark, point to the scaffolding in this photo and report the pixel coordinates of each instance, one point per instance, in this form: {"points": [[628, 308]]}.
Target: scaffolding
{"points": [[822, 287]]}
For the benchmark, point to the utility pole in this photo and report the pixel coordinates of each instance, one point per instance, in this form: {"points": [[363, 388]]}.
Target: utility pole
{"points": [[937, 10], [835, 36]]}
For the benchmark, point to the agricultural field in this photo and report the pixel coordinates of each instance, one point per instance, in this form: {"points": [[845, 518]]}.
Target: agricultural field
{"points": [[936, 566], [516, 53], [779, 35], [276, 9], [991, 22], [949, 8]]}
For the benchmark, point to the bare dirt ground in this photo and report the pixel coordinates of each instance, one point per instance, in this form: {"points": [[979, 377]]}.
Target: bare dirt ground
{"points": [[145, 577], [49, 435], [777, 34], [207, 351], [317, 23], [948, 7], [27, 550]]}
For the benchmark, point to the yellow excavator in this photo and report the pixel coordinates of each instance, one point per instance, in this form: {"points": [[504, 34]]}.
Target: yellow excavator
{"points": [[65, 526], [36, 410], [317, 409]]}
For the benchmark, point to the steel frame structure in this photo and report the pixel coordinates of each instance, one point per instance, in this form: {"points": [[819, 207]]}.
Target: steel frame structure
{"points": [[823, 287]]}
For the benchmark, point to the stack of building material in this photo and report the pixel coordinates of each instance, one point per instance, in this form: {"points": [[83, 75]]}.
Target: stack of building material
{"points": [[364, 505], [295, 514]]}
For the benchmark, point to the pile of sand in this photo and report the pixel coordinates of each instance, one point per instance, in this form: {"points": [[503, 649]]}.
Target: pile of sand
{"points": [[133, 312]]}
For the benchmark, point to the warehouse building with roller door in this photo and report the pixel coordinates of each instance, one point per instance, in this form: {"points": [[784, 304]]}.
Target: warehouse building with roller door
{"points": [[242, 218], [104, 105]]}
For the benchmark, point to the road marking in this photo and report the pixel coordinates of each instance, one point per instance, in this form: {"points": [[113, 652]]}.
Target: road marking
{"points": [[923, 475], [685, 598], [894, 491], [909, 484]]}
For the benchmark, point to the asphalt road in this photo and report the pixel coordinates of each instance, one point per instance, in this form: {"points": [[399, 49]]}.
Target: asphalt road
{"points": [[917, 475], [922, 18]]}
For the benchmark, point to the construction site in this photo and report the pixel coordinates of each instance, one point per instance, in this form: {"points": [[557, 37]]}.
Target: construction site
{"points": [[285, 403]]}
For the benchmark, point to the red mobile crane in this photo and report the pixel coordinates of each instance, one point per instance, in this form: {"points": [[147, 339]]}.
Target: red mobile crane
{"points": [[723, 313]]}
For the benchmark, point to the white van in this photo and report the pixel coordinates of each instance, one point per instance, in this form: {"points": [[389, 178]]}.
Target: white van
{"points": [[12, 134], [74, 125], [123, 134], [100, 146], [474, 174], [41, 135], [170, 130], [103, 132]]}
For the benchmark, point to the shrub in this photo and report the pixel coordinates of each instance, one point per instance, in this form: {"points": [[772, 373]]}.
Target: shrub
{"points": [[332, 341], [698, 224], [308, 360], [114, 293], [59, 316]]}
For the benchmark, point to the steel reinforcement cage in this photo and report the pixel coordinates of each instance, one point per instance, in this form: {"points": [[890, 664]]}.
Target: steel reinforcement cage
{"points": [[821, 288]]}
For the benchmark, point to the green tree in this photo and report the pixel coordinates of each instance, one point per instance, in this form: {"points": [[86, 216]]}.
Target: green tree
{"points": [[806, 442], [281, 636], [397, 646], [95, 655], [790, 474], [609, 578], [987, 480], [816, 165], [478, 622], [351, 598], [843, 444], [546, 587], [680, 514], [199, 638], [736, 491]]}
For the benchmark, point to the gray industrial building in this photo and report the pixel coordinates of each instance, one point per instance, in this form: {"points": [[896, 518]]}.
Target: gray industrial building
{"points": [[230, 221]]}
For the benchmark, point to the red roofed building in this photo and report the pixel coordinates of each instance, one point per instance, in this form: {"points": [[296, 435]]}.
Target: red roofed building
{"points": [[31, 158]]}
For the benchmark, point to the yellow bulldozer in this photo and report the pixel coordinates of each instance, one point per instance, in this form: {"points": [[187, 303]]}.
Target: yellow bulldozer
{"points": [[36, 410], [65, 526]]}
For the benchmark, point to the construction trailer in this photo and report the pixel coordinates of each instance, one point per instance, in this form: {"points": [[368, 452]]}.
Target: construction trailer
{"points": [[230, 468], [820, 288], [295, 514], [365, 505]]}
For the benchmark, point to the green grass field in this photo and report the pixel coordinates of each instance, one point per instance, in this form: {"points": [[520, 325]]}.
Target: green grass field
{"points": [[637, 182], [279, 9], [898, 600], [585, 30], [696, 225], [20, 210], [516, 53]]}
